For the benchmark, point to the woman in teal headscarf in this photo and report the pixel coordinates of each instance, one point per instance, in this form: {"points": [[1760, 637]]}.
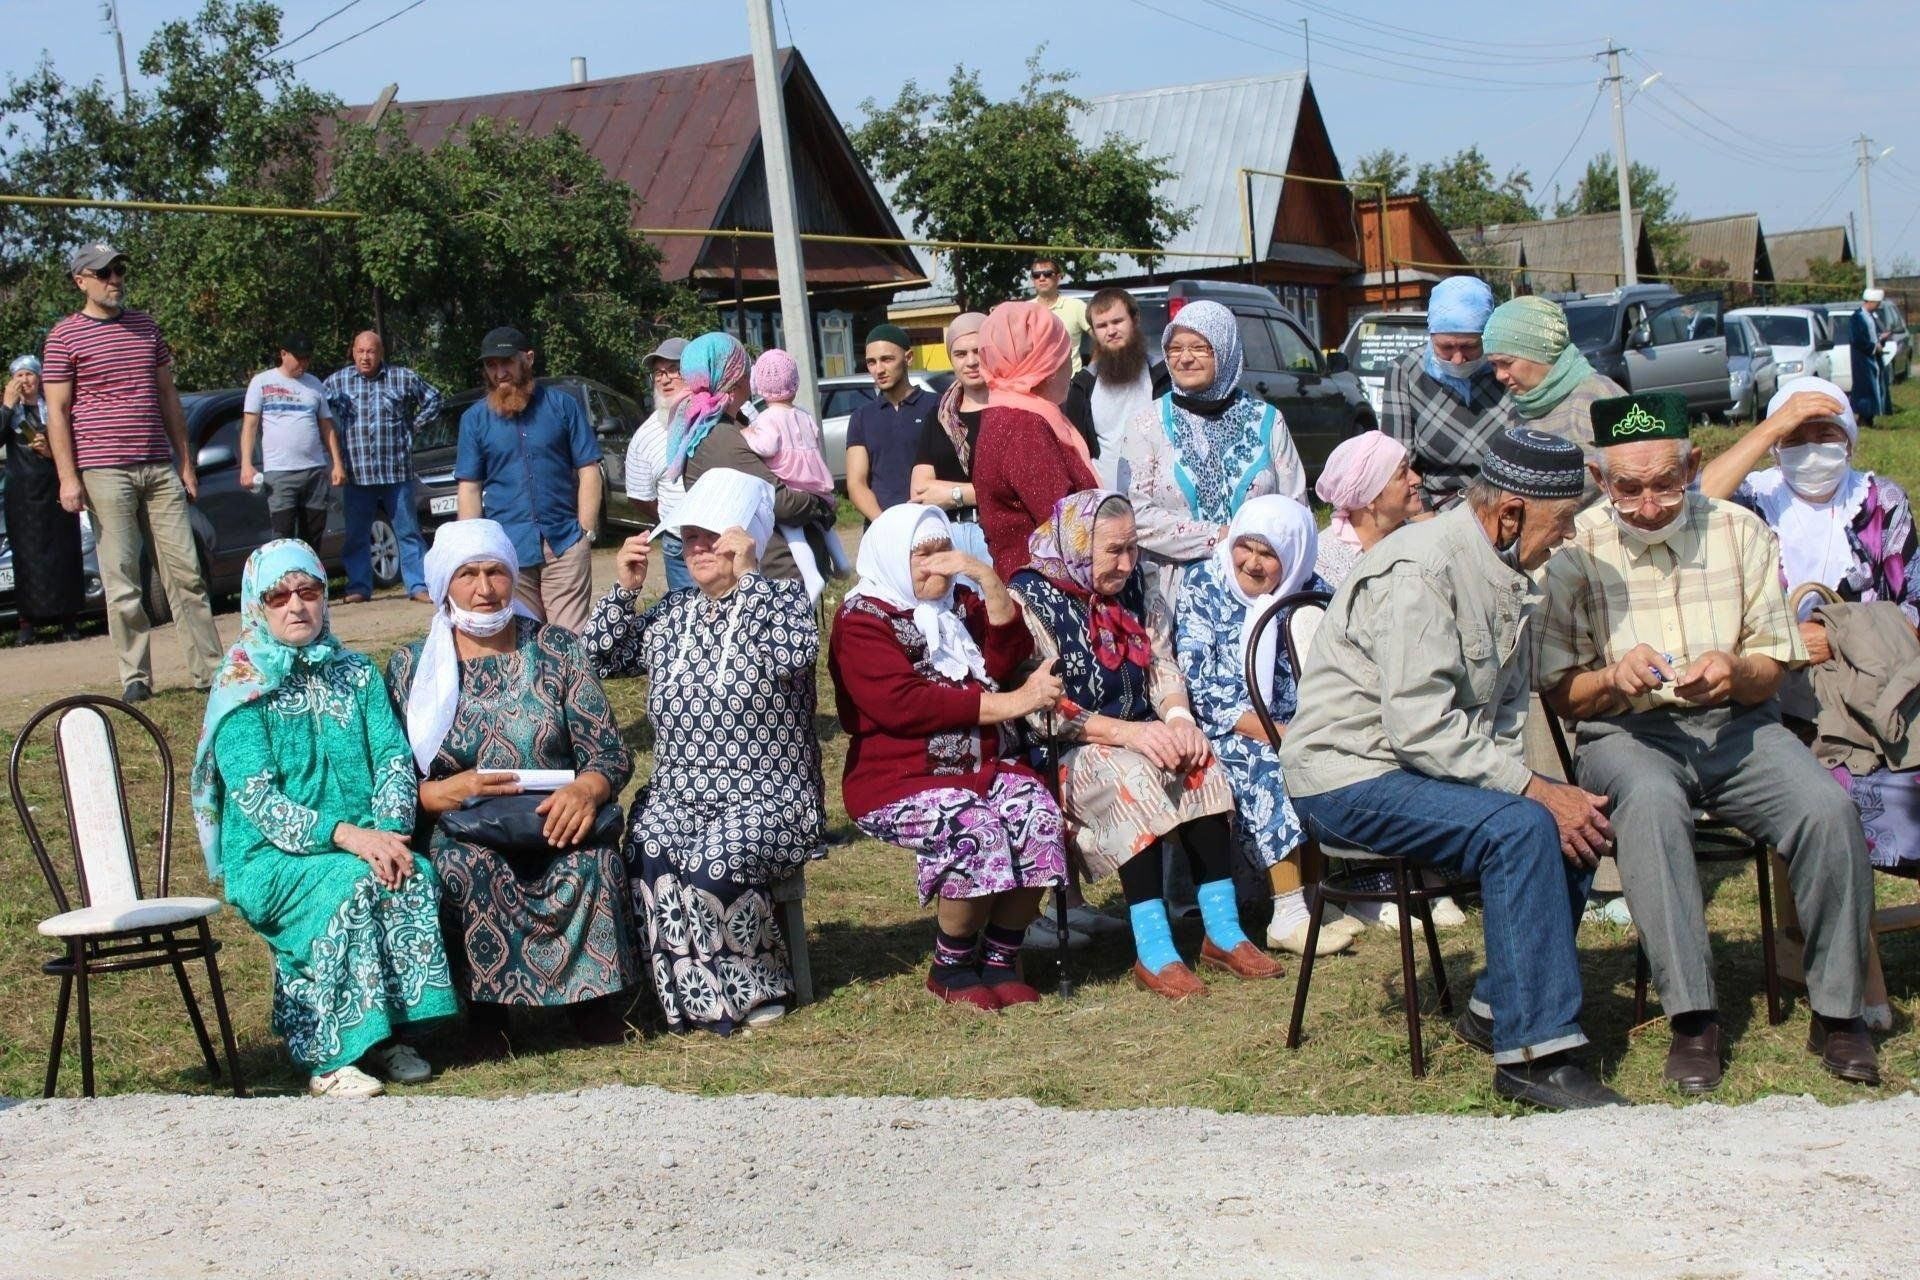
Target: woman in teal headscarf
{"points": [[1547, 378], [303, 792]]}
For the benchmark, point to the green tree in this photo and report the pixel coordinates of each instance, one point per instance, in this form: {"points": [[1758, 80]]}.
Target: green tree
{"points": [[1598, 191], [1464, 191], [1826, 280], [1387, 167], [969, 168]]}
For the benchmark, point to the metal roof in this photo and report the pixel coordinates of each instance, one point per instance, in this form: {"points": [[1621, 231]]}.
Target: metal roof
{"points": [[1793, 252], [1207, 133], [1580, 253], [1734, 239]]}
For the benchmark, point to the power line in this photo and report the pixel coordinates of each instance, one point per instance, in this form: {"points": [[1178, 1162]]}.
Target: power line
{"points": [[1667, 118], [1765, 146], [1390, 59], [1591, 108], [310, 30], [362, 31], [1814, 217], [1446, 42]]}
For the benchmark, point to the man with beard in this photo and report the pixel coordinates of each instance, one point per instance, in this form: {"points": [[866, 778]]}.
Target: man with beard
{"points": [[1665, 636], [528, 459], [1121, 382]]}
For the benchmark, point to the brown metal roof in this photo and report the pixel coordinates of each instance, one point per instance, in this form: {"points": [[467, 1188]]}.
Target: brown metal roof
{"points": [[1580, 254], [1734, 239], [684, 139], [1793, 252]]}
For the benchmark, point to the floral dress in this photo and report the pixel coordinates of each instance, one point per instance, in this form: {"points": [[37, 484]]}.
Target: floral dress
{"points": [[352, 961], [531, 931], [1207, 620], [735, 801]]}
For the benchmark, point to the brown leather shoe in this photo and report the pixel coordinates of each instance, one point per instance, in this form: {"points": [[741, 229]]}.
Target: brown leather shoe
{"points": [[353, 599], [421, 597], [1175, 982], [1244, 961], [1693, 1062], [1848, 1054]]}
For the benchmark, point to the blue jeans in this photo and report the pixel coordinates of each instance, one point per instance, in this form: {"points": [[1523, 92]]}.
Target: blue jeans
{"points": [[361, 503], [1531, 895], [673, 562]]}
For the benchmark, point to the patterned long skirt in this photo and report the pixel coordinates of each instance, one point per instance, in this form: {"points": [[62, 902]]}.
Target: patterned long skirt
{"points": [[1118, 803], [701, 894], [536, 931], [974, 846], [352, 962]]}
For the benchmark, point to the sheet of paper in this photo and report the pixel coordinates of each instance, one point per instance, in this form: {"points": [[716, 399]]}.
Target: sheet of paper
{"points": [[542, 779]]}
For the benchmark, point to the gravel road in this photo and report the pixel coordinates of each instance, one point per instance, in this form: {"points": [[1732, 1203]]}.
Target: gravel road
{"points": [[639, 1182]]}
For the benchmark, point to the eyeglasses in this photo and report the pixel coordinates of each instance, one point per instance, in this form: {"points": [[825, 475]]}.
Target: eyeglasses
{"points": [[115, 271], [278, 597], [662, 372], [1631, 496], [1043, 273], [1189, 351]]}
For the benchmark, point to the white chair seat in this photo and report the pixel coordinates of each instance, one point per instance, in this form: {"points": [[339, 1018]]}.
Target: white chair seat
{"points": [[120, 917], [1355, 855]]}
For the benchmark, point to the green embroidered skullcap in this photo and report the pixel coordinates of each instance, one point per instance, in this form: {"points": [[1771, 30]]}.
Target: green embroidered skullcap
{"points": [[1652, 415], [1529, 327]]}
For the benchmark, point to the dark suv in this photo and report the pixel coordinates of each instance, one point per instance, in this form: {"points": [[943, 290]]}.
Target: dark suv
{"points": [[1318, 395], [615, 418]]}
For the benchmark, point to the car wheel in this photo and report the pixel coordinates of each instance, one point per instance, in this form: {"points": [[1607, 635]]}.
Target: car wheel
{"points": [[384, 545]]}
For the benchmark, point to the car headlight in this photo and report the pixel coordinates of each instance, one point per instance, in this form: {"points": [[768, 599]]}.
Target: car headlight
{"points": [[1792, 366]]}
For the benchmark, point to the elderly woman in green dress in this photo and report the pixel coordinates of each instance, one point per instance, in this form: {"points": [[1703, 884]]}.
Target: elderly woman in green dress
{"points": [[303, 793]]}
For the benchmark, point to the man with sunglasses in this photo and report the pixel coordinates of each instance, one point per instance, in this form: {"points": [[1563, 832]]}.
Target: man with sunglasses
{"points": [[119, 440], [1046, 277], [1665, 636]]}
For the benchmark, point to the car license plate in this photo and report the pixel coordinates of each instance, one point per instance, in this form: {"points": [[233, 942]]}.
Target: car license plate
{"points": [[6, 579], [444, 506]]}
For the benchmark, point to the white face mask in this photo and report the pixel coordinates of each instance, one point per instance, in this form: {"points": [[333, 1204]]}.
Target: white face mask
{"points": [[480, 625], [1464, 369], [1814, 471], [1649, 537]]}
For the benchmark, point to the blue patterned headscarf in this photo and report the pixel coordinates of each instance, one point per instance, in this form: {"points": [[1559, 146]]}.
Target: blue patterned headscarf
{"points": [[1216, 324], [710, 367], [255, 666]]}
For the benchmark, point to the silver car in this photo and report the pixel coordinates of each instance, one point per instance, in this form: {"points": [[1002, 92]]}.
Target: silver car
{"points": [[839, 397], [1752, 376]]}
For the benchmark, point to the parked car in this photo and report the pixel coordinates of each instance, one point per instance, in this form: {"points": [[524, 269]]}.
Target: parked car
{"points": [[1376, 340], [1752, 376], [1318, 395], [1894, 321], [1648, 337], [93, 602], [839, 397], [1839, 317], [615, 417], [1797, 337]]}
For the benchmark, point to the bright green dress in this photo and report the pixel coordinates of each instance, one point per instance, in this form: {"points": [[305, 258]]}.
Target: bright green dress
{"points": [[352, 961]]}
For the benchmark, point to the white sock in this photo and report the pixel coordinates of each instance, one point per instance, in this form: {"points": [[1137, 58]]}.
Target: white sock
{"points": [[1289, 911]]}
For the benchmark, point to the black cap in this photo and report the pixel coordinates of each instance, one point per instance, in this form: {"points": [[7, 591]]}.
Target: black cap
{"points": [[1534, 464], [297, 343], [503, 343]]}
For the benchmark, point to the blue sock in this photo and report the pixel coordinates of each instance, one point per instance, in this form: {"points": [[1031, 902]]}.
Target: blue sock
{"points": [[1220, 910], [1152, 935]]}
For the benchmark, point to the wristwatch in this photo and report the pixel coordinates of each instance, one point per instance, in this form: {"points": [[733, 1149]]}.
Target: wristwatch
{"points": [[957, 494]]}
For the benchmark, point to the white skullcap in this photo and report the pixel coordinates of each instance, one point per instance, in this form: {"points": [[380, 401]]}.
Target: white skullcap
{"points": [[1845, 418], [1874, 295]]}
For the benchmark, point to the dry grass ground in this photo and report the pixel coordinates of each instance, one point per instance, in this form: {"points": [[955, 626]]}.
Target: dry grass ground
{"points": [[874, 1031]]}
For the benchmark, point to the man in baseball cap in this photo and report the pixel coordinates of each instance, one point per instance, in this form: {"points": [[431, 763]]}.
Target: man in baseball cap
{"points": [[658, 495], [287, 412]]}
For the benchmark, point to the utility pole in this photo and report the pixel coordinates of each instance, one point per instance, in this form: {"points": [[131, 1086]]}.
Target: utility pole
{"points": [[795, 314], [1629, 272], [1866, 207], [1306, 36], [120, 43]]}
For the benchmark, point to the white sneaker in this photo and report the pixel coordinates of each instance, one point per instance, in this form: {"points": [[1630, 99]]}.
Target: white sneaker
{"points": [[1446, 913], [1335, 921], [348, 1082], [399, 1063], [765, 1015], [1380, 915], [1295, 940]]}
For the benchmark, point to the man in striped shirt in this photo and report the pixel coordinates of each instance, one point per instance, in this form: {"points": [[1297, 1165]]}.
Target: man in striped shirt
{"points": [[119, 440]]}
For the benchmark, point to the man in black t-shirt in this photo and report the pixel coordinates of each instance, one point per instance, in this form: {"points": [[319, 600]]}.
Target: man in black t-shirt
{"points": [[883, 436]]}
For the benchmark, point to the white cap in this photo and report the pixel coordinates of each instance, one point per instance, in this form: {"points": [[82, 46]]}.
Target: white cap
{"points": [[1874, 295], [1848, 423], [724, 499]]}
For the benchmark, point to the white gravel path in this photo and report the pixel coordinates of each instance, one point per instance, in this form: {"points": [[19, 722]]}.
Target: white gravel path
{"points": [[640, 1182]]}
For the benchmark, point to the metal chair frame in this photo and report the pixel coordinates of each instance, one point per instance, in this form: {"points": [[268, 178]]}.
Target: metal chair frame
{"points": [[122, 951], [1410, 894]]}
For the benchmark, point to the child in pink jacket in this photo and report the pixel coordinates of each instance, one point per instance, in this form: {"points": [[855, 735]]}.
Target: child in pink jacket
{"points": [[788, 439]]}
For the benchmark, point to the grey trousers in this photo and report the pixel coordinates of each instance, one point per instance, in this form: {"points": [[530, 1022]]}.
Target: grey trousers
{"points": [[1658, 766]]}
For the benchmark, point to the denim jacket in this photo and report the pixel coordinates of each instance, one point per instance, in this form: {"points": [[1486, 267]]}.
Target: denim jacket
{"points": [[1422, 664]]}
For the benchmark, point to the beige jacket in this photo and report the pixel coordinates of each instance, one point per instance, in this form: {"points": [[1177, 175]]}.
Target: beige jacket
{"points": [[1422, 664], [1869, 691]]}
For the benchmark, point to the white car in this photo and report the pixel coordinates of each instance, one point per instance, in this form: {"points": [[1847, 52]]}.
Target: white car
{"points": [[1376, 340], [1795, 335]]}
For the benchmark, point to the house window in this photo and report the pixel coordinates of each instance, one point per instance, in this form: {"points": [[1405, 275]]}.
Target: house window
{"points": [[836, 344], [1304, 301]]}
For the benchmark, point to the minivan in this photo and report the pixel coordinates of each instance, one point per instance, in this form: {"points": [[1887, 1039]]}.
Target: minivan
{"points": [[1649, 337]]}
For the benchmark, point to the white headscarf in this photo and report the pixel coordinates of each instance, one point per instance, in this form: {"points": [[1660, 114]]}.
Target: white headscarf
{"points": [[435, 695], [723, 499], [886, 576], [1287, 527]]}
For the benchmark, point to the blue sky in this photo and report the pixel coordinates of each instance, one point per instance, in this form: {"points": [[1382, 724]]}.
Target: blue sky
{"points": [[1756, 108]]}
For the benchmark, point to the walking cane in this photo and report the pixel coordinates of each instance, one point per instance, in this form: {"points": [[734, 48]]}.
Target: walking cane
{"points": [[1050, 766]]}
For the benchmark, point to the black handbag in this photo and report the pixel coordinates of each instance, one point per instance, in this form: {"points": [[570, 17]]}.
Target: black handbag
{"points": [[509, 825]]}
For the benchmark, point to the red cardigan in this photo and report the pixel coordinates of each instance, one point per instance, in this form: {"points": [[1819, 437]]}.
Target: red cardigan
{"points": [[1019, 471], [910, 728]]}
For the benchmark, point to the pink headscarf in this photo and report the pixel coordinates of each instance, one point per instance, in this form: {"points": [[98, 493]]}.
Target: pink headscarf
{"points": [[1022, 344], [1355, 474]]}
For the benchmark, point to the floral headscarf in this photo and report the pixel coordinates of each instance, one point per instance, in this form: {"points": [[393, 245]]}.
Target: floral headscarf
{"points": [[1061, 551], [255, 666], [711, 366]]}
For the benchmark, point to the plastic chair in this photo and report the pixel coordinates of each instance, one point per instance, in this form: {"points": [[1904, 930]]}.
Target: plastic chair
{"points": [[117, 926], [1410, 894]]}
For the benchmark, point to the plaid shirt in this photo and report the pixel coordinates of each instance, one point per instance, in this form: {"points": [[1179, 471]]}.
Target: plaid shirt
{"points": [[1444, 437], [376, 418], [1713, 585]]}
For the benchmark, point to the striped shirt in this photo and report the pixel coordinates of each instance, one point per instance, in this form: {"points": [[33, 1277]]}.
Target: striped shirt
{"points": [[116, 397], [1713, 585]]}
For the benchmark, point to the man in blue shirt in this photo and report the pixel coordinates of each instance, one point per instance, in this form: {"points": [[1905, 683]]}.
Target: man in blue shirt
{"points": [[883, 436], [376, 409], [528, 458]]}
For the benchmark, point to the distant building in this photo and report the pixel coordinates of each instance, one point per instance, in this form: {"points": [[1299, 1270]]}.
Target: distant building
{"points": [[1417, 254], [1732, 246], [1793, 252], [1580, 254]]}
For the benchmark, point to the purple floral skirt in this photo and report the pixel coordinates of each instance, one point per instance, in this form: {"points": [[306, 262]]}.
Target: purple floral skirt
{"points": [[1889, 805], [974, 846]]}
